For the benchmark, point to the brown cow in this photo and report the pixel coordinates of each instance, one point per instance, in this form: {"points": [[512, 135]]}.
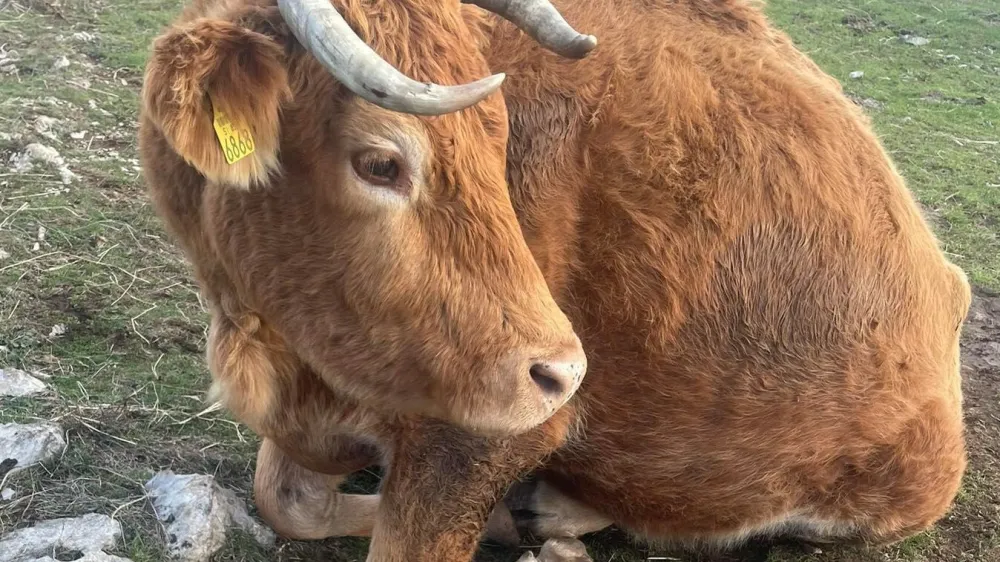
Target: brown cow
{"points": [[771, 329]]}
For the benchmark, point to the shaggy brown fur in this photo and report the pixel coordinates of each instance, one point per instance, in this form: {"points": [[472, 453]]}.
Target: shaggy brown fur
{"points": [[770, 326]]}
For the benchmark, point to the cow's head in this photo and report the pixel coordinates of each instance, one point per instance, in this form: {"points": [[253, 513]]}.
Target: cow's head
{"points": [[377, 214]]}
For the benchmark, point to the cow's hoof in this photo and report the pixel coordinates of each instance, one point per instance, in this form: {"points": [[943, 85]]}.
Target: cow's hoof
{"points": [[501, 528], [543, 511], [559, 550]]}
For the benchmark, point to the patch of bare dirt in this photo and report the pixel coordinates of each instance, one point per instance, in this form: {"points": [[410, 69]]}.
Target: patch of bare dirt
{"points": [[861, 23], [973, 528], [938, 97], [866, 103]]}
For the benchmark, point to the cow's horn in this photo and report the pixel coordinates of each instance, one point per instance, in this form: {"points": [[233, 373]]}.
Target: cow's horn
{"points": [[543, 23], [325, 34]]}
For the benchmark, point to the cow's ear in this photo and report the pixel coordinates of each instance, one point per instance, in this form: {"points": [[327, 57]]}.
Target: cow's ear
{"points": [[215, 89]]}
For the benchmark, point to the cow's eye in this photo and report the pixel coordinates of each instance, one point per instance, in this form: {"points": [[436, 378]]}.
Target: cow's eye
{"points": [[377, 167]]}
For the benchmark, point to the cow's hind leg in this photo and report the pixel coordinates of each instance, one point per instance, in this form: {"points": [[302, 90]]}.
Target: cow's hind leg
{"points": [[299, 503], [548, 513]]}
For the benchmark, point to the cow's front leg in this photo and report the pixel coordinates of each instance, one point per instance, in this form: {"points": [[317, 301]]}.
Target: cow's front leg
{"points": [[443, 483]]}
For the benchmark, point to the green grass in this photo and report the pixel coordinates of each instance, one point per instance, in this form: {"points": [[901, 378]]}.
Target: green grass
{"points": [[128, 373], [939, 113]]}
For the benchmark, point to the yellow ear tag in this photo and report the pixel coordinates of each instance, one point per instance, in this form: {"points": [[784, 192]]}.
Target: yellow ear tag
{"points": [[234, 137]]}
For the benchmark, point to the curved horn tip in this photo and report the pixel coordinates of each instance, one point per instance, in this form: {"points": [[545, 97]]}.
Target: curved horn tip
{"points": [[496, 79], [582, 46], [436, 100], [487, 86]]}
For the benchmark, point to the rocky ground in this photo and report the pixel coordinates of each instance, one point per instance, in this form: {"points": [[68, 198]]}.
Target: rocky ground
{"points": [[107, 449], [196, 513]]}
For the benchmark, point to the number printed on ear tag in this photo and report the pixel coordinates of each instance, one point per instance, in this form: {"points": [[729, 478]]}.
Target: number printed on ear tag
{"points": [[234, 138]]}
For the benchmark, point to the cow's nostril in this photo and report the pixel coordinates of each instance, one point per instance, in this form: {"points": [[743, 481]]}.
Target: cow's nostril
{"points": [[548, 379]]}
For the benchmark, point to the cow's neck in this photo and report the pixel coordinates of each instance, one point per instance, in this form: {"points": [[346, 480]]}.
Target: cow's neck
{"points": [[548, 117], [546, 183]]}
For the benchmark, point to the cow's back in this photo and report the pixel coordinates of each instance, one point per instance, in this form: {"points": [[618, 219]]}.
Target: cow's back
{"points": [[768, 319]]}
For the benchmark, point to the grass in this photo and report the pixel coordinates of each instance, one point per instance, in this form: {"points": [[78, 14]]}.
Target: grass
{"points": [[938, 105], [127, 365]]}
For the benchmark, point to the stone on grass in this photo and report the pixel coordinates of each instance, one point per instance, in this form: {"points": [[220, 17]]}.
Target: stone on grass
{"points": [[196, 514], [7, 494], [96, 556], [17, 383], [871, 103], [46, 126], [88, 557], [37, 152], [564, 550], [916, 40], [89, 533], [23, 445], [8, 60], [559, 550]]}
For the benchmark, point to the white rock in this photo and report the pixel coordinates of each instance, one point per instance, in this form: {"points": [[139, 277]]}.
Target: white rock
{"points": [[564, 550], [89, 533], [44, 126], [78, 135], [7, 494], [61, 63], [916, 40], [57, 330], [857, 74], [196, 513], [8, 60], [559, 550], [4, 254], [15, 382], [36, 152], [29, 444], [88, 557]]}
